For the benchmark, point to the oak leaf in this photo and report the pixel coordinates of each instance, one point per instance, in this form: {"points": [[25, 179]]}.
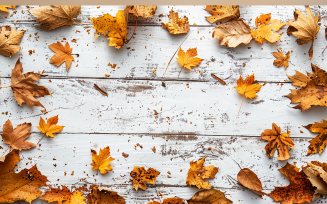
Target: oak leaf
{"points": [[16, 137], [318, 143], [63, 196], [176, 25], [247, 88], [265, 30], [233, 33], [197, 173], [281, 59], [188, 59], [63, 54], [209, 196], [141, 176], [114, 28], [6, 7], [100, 195], [50, 127], [250, 180], [298, 191], [222, 12], [277, 141], [52, 17], [316, 173], [143, 11], [101, 161], [9, 40], [23, 87], [313, 90], [304, 28]]}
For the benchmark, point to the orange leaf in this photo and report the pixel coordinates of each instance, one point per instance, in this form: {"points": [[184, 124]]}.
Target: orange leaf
{"points": [[101, 195], [63, 54], [6, 7], [250, 180], [219, 13], [176, 25], [247, 88], [140, 176], [101, 161], [318, 143], [210, 196], [51, 127], [281, 59], [63, 196], [188, 59]]}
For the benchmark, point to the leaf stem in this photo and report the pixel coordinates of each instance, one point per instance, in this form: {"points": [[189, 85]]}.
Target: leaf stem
{"points": [[180, 72], [133, 31], [241, 106], [5, 151], [5, 87], [324, 50], [40, 139]]}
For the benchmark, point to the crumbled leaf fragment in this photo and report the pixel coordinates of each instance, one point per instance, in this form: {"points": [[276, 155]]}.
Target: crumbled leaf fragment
{"points": [[222, 12], [141, 177]]}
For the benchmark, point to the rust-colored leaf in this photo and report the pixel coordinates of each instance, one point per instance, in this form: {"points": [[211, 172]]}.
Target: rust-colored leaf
{"points": [[143, 11], [141, 177], [281, 59], [9, 40], [63, 54], [176, 25], [101, 161], [100, 195], [209, 196], [318, 143], [63, 196], [188, 59], [223, 12], [250, 180]]}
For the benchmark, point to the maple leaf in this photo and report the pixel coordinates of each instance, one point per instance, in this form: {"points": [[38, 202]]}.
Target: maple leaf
{"points": [[316, 173], [188, 59], [247, 88], [100, 195], [5, 7], [115, 26], [233, 33], [250, 180], [197, 173], [222, 12], [140, 176], [281, 59], [63, 54], [298, 191], [304, 28], [318, 143], [19, 186], [16, 137], [313, 89], [50, 127], [63, 196], [52, 17], [143, 11], [176, 25], [9, 40], [101, 161], [277, 141], [264, 30], [209, 196], [23, 87]]}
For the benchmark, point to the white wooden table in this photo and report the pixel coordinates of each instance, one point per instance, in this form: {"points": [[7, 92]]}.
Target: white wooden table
{"points": [[196, 112]]}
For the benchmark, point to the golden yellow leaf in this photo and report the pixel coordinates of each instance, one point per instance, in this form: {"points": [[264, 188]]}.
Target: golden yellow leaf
{"points": [[101, 161], [176, 25], [6, 7], [318, 143], [143, 11], [209, 196], [63, 54], [9, 40], [281, 59], [141, 177], [63, 196], [223, 12], [100, 195], [247, 88], [188, 59], [51, 127]]}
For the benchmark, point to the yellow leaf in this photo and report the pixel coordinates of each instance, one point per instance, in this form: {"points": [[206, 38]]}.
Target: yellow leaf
{"points": [[188, 59], [143, 11], [5, 7], [247, 88], [63, 196], [9, 40], [100, 195], [63, 54], [176, 25], [222, 12], [101, 161], [51, 127]]}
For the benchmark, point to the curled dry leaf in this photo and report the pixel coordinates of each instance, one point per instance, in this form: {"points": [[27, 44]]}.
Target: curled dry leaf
{"points": [[9, 40], [188, 59], [50, 127], [281, 59], [23, 87], [143, 11], [197, 173], [210, 196], [318, 143], [316, 173], [176, 25], [63, 54], [224, 12], [140, 176], [313, 89], [304, 28], [52, 17], [233, 33], [6, 7], [22, 186], [250, 180], [247, 88], [101, 161], [63, 196], [298, 191], [101, 195], [16, 137], [265, 30], [277, 141]]}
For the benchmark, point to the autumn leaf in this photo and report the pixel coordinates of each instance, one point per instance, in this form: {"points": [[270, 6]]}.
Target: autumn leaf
{"points": [[169, 201], [281, 59], [188, 59], [197, 173], [266, 28], [143, 11], [233, 33], [6, 7], [316, 173], [63, 54], [141, 176], [313, 89], [52, 17], [222, 12], [298, 191], [247, 88], [100, 195], [116, 27], [277, 141], [250, 180], [304, 28], [101, 161], [63, 196], [318, 143], [22, 186], [176, 25], [210, 196], [9, 40], [50, 127]]}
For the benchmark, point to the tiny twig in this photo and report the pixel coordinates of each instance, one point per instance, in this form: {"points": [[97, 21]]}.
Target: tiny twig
{"points": [[324, 50], [291, 63], [241, 105], [5, 87], [180, 72], [40, 139], [75, 54], [133, 31], [5, 151]]}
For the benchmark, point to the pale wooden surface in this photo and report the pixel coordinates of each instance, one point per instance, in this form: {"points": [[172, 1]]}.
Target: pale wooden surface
{"points": [[195, 111]]}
